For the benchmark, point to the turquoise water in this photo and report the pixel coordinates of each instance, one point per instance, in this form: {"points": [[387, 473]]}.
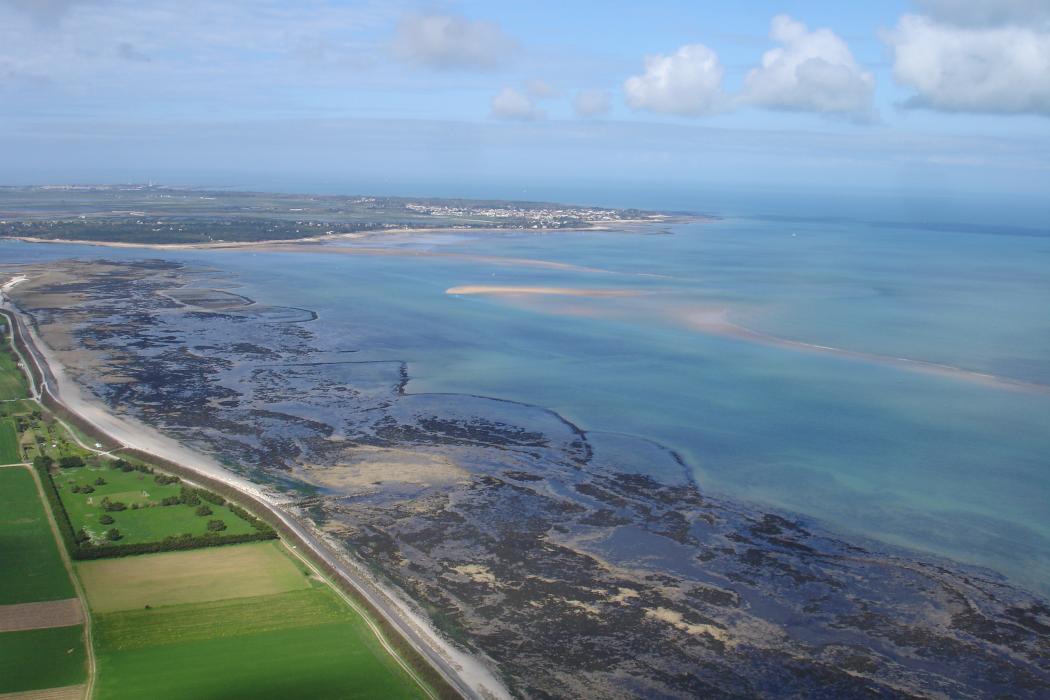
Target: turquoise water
{"points": [[946, 462]]}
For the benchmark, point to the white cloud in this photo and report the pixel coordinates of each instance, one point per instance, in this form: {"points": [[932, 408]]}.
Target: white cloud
{"points": [[812, 71], [984, 13], [452, 42], [542, 90], [592, 103], [687, 83], [514, 105], [994, 69]]}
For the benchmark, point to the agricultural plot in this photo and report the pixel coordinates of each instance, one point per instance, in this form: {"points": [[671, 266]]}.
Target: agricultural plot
{"points": [[201, 575], [300, 642], [44, 658], [9, 452], [32, 568], [141, 509]]}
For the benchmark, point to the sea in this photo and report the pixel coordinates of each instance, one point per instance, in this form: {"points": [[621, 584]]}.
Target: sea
{"points": [[877, 365]]}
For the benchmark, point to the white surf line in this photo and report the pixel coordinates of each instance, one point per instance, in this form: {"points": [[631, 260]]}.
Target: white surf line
{"points": [[460, 669]]}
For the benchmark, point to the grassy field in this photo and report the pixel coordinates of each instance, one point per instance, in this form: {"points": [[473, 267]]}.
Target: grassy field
{"points": [[171, 578], [210, 633], [9, 452], [48, 658], [12, 381], [150, 521], [31, 569]]}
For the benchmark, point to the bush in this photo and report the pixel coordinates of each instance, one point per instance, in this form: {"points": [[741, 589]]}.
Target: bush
{"points": [[170, 501], [203, 511], [42, 463], [190, 496], [113, 534], [113, 506], [82, 536], [100, 481], [75, 488], [71, 462], [106, 519], [212, 497], [87, 488], [165, 479], [216, 526]]}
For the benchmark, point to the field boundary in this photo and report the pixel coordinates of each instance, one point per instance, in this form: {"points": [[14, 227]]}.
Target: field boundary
{"points": [[21, 617]]}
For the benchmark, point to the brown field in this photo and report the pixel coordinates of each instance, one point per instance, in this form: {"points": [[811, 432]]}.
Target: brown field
{"points": [[69, 692], [35, 616], [196, 576]]}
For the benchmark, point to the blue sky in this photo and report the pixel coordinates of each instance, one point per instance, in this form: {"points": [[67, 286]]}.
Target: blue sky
{"points": [[933, 95]]}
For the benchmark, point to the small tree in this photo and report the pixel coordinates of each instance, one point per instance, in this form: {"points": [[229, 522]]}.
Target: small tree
{"points": [[106, 519], [87, 488], [113, 534], [43, 462], [203, 511], [216, 526], [100, 481]]}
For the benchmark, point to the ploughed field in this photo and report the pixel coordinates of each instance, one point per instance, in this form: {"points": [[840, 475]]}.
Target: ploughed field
{"points": [[244, 621]]}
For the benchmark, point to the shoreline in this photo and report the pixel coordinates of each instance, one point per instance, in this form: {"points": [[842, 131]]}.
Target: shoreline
{"points": [[464, 672], [598, 227]]}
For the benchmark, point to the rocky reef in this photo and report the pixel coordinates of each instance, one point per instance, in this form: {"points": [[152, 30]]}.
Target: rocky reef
{"points": [[579, 563]]}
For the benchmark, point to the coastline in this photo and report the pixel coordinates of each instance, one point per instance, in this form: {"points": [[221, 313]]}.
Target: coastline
{"points": [[605, 226], [467, 674]]}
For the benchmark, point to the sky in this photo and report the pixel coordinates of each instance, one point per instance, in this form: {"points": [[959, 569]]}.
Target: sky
{"points": [[896, 96]]}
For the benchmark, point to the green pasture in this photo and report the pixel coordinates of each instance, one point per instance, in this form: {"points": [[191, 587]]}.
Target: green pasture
{"points": [[12, 381], [150, 522], [9, 452]]}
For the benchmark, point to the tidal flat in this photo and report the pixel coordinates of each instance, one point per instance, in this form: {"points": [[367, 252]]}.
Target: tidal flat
{"points": [[574, 561]]}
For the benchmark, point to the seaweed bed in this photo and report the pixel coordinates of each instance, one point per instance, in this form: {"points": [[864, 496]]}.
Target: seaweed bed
{"points": [[578, 563]]}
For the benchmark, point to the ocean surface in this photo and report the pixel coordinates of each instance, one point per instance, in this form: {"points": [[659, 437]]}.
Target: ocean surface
{"points": [[880, 368]]}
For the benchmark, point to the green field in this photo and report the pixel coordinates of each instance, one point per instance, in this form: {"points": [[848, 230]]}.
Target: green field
{"points": [[150, 522], [12, 381], [9, 452], [31, 569], [234, 622], [170, 578], [306, 644], [48, 658]]}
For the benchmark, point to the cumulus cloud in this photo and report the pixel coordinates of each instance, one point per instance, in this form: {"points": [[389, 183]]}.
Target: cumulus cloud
{"points": [[985, 13], [513, 105], [451, 42], [687, 83], [812, 71], [592, 103], [1001, 68], [541, 90]]}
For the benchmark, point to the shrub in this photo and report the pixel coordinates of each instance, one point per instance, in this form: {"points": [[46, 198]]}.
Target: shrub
{"points": [[100, 481], [43, 462], [75, 488], [212, 497], [82, 536], [189, 497], [113, 534], [87, 488], [113, 506], [203, 511], [106, 519], [170, 501], [216, 526], [71, 462], [165, 479]]}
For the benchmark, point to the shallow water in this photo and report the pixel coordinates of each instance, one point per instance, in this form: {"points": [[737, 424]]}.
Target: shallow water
{"points": [[944, 461]]}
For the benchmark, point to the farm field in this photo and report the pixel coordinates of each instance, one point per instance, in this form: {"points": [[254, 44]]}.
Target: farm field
{"points": [[32, 568], [170, 578], [9, 452], [45, 658], [209, 633], [143, 519]]}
